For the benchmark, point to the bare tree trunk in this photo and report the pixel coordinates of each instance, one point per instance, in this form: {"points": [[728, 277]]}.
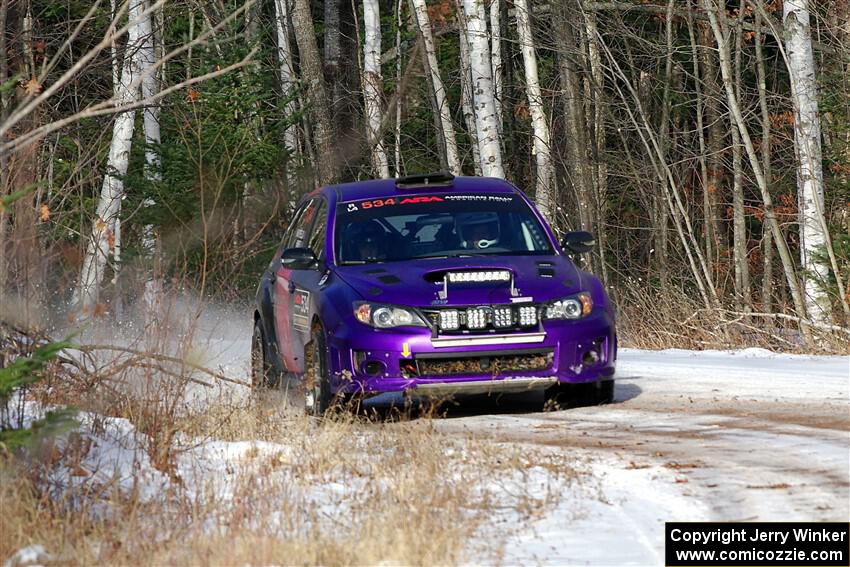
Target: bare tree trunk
{"points": [[442, 109], [318, 106], [150, 123], [466, 97], [739, 226], [333, 54], [287, 83], [102, 236], [804, 95], [782, 247], [596, 123], [373, 85], [545, 195], [576, 144], [708, 234], [714, 181], [496, 55], [662, 214], [767, 236], [486, 122], [5, 107], [397, 161]]}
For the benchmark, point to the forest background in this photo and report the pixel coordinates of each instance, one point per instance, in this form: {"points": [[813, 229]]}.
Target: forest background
{"points": [[149, 148]]}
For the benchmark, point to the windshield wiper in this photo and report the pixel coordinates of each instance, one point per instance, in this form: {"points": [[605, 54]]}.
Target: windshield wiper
{"points": [[361, 262]]}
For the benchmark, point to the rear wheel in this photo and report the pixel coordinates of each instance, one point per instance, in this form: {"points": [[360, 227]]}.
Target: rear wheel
{"points": [[263, 373]]}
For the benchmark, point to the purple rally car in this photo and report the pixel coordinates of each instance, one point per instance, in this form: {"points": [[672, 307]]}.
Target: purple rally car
{"points": [[432, 285]]}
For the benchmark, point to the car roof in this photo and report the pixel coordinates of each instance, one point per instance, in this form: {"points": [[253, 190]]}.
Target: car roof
{"points": [[386, 188]]}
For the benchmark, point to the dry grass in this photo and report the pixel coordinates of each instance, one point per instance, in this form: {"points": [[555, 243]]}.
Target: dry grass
{"points": [[654, 320], [255, 483]]}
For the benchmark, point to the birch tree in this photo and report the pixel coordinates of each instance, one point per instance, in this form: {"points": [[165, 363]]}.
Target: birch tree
{"points": [[286, 75], [541, 147], [804, 96], [372, 85], [108, 210], [466, 99], [150, 124], [483, 96], [420, 9], [496, 55]]}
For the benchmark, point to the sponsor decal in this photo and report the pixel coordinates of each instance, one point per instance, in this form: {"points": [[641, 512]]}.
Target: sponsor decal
{"points": [[301, 310], [484, 198], [414, 200], [405, 350]]}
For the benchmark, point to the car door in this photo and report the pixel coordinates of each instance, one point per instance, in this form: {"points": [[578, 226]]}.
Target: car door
{"points": [[284, 286], [304, 285]]}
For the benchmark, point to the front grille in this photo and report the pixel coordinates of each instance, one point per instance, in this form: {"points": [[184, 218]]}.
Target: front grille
{"points": [[483, 318], [494, 365]]}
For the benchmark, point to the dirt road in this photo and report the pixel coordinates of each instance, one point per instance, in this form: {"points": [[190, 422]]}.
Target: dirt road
{"points": [[694, 436]]}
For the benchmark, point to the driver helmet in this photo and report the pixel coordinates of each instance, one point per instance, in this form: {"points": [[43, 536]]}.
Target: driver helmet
{"points": [[477, 230], [366, 240]]}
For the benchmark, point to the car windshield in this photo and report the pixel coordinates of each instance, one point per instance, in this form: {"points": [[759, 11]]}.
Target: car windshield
{"points": [[436, 226]]}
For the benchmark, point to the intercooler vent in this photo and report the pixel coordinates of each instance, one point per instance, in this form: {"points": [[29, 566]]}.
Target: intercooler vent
{"points": [[494, 364]]}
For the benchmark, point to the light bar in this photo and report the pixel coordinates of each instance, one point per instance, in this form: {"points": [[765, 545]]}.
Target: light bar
{"points": [[481, 276]]}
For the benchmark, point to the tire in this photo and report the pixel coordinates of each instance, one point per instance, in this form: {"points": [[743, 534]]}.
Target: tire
{"points": [[263, 373], [605, 392], [317, 388], [563, 396]]}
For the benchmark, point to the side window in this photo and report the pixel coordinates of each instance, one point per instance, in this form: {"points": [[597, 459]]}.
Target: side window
{"points": [[288, 236], [298, 238], [317, 234]]}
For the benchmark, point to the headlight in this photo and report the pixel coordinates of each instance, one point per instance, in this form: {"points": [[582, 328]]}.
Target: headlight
{"points": [[386, 316], [574, 307]]}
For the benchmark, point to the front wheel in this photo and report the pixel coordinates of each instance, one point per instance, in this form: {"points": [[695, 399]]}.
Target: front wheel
{"points": [[317, 388], [563, 396]]}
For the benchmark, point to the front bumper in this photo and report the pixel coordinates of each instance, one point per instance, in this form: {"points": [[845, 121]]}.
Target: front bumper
{"points": [[372, 361]]}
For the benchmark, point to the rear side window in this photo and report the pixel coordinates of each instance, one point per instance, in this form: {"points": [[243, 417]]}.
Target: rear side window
{"points": [[301, 228], [316, 241]]}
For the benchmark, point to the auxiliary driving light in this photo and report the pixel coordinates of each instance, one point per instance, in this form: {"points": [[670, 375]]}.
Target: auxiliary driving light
{"points": [[476, 318], [527, 316], [502, 317], [449, 319]]}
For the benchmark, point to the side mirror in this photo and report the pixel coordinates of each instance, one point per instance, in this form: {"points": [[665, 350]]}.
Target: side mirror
{"points": [[298, 259], [578, 242]]}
